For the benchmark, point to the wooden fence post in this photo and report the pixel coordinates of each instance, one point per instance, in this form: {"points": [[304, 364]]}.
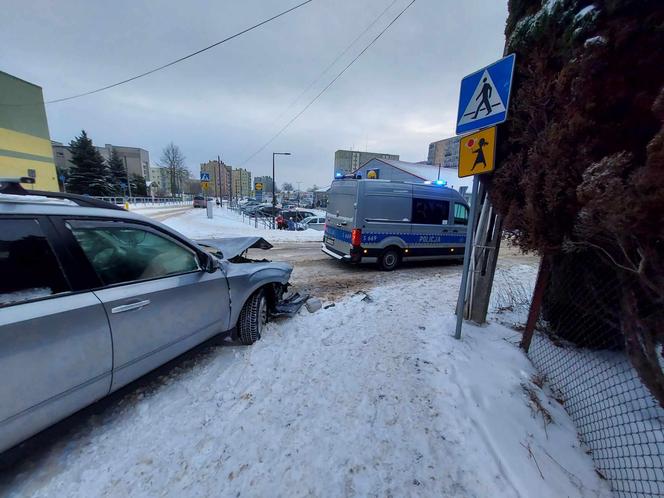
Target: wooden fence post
{"points": [[536, 303]]}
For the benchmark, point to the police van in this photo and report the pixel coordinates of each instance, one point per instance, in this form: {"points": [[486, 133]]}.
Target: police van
{"points": [[387, 222]]}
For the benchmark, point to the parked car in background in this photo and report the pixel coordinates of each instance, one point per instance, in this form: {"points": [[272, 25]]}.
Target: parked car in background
{"points": [[291, 214], [248, 205], [267, 211], [93, 297], [313, 222], [199, 201]]}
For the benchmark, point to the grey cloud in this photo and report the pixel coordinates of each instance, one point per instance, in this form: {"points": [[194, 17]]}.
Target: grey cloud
{"points": [[398, 97]]}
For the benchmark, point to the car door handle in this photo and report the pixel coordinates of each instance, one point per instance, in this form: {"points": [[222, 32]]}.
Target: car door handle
{"points": [[129, 307]]}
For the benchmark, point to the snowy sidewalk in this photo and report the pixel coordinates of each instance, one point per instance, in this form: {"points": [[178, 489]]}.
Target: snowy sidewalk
{"points": [[371, 397]]}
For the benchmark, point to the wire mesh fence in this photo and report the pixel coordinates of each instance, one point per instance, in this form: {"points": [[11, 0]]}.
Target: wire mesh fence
{"points": [[579, 350]]}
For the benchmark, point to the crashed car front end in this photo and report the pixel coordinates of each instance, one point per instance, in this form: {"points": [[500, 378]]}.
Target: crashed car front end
{"points": [[245, 275]]}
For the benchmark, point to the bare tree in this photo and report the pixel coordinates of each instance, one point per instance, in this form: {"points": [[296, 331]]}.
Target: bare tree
{"points": [[172, 158]]}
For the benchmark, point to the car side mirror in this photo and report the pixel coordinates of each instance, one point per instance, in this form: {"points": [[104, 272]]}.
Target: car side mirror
{"points": [[210, 263]]}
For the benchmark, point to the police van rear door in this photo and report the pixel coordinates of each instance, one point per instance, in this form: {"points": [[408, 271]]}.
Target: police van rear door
{"points": [[384, 213], [341, 205]]}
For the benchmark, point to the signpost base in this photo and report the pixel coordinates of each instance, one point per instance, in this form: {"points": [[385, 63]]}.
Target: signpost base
{"points": [[466, 258]]}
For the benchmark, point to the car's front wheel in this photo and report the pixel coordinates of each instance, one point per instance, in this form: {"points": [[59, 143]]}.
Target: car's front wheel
{"points": [[253, 318]]}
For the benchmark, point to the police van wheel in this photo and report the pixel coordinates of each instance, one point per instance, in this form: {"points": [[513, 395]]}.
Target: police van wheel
{"points": [[390, 259]]}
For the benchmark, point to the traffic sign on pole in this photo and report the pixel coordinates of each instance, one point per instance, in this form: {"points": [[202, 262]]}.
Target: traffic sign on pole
{"points": [[477, 152], [205, 185], [205, 176], [484, 96]]}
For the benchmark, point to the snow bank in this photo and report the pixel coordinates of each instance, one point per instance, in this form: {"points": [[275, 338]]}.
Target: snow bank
{"points": [[195, 224], [371, 397]]}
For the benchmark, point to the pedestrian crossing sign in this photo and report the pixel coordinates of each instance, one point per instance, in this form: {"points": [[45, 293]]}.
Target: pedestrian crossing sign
{"points": [[484, 96], [477, 152]]}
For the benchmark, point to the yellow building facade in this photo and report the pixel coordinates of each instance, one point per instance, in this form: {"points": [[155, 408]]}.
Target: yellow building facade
{"points": [[25, 143]]}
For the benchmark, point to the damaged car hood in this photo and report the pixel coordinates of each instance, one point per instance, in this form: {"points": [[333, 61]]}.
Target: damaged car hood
{"points": [[234, 246]]}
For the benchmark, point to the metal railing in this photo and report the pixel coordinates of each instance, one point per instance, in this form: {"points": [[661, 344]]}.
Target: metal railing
{"points": [[265, 222], [150, 201]]}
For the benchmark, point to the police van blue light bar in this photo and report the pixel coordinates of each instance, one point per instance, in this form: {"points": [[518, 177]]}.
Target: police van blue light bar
{"points": [[438, 183], [341, 176]]}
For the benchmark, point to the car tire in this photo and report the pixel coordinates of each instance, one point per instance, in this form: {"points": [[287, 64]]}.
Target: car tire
{"points": [[390, 259], [253, 318]]}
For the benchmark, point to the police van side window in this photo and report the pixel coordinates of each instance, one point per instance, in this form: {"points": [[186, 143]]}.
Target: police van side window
{"points": [[460, 214], [430, 211]]}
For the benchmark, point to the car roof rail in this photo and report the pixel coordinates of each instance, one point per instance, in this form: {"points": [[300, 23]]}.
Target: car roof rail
{"points": [[13, 186]]}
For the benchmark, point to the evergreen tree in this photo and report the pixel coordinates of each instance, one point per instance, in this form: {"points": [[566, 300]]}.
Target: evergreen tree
{"points": [[138, 186], [88, 174], [118, 173]]}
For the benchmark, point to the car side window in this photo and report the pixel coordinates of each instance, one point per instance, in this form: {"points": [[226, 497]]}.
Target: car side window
{"points": [[28, 265], [460, 214], [430, 211], [127, 254]]}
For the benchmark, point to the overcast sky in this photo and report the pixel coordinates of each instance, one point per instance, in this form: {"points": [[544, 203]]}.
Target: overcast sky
{"points": [[397, 98]]}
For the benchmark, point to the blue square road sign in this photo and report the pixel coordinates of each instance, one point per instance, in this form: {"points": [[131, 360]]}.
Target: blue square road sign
{"points": [[485, 95]]}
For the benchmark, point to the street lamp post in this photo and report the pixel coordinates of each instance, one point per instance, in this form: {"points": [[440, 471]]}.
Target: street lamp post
{"points": [[127, 171], [274, 186]]}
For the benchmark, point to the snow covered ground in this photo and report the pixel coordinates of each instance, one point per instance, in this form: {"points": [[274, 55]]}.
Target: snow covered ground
{"points": [[226, 223], [369, 397]]}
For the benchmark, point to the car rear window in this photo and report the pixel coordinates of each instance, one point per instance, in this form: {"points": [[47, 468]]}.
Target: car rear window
{"points": [[28, 265]]}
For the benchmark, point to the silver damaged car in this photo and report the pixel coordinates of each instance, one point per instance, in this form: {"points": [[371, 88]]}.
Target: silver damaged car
{"points": [[92, 297]]}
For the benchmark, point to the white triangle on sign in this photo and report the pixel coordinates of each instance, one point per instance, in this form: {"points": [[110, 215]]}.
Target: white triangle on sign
{"points": [[485, 101]]}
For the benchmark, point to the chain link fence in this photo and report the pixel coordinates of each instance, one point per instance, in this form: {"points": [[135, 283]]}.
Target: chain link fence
{"points": [[578, 349]]}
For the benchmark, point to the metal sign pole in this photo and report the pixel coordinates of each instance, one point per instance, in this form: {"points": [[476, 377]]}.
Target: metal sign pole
{"points": [[466, 258]]}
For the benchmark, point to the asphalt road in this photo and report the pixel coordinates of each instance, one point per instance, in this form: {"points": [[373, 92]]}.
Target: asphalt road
{"points": [[328, 279]]}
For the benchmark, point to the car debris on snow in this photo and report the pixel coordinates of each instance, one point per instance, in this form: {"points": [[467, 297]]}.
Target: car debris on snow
{"points": [[314, 305], [290, 305]]}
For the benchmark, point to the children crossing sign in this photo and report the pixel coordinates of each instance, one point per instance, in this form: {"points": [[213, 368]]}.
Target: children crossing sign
{"points": [[477, 152], [484, 96]]}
